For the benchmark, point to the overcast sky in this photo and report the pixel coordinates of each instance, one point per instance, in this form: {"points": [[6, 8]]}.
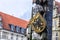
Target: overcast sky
{"points": [[18, 8], [58, 0]]}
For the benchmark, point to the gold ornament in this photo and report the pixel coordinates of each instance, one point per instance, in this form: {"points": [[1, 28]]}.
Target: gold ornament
{"points": [[38, 23]]}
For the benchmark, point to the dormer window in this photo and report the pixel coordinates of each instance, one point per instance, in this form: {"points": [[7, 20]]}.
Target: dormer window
{"points": [[12, 27], [23, 31], [0, 18], [0, 22], [17, 29]]}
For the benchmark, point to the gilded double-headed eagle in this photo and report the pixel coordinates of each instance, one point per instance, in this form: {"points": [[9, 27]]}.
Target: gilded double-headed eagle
{"points": [[38, 23]]}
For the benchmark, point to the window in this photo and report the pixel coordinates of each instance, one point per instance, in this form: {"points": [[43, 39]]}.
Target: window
{"points": [[57, 36], [23, 31], [54, 23], [4, 35], [21, 37], [12, 27], [17, 37], [17, 29], [59, 21], [0, 24], [11, 36], [0, 18]]}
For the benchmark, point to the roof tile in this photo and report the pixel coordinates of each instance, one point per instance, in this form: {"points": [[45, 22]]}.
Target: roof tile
{"points": [[8, 19]]}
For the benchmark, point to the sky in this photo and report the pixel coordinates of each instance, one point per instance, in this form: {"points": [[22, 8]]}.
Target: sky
{"points": [[58, 0], [18, 8]]}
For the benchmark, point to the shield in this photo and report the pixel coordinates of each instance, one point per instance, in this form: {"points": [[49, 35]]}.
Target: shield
{"points": [[38, 23]]}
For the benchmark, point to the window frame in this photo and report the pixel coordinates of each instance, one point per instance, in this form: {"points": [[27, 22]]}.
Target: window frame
{"points": [[12, 27], [23, 31], [18, 29]]}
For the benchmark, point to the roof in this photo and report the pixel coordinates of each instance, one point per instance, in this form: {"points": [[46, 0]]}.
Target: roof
{"points": [[8, 19], [58, 4]]}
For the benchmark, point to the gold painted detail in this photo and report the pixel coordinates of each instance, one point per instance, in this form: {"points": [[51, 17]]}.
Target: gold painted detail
{"points": [[38, 23]]}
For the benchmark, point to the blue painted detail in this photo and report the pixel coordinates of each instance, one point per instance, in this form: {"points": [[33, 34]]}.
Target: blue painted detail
{"points": [[48, 18]]}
